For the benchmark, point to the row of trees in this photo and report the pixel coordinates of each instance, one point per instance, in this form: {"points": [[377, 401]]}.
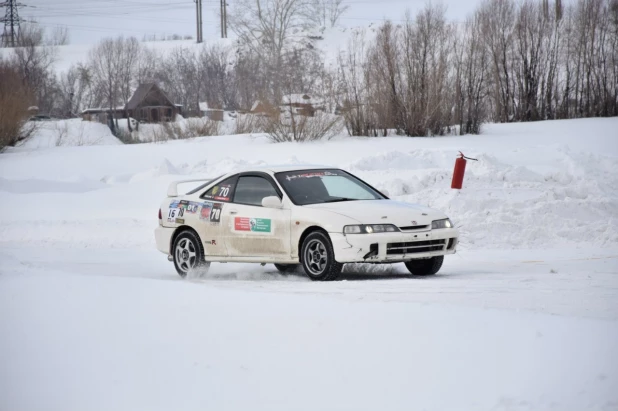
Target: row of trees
{"points": [[511, 60]]}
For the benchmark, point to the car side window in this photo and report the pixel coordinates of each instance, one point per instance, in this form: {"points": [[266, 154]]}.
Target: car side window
{"points": [[251, 190], [222, 191]]}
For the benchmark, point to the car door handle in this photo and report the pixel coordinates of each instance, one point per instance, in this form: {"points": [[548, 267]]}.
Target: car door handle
{"points": [[233, 212]]}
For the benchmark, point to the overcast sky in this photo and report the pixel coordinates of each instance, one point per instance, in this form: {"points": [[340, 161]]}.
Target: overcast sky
{"points": [[90, 20]]}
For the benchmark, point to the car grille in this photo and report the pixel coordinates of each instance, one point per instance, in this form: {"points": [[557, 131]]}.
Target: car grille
{"points": [[415, 247], [415, 228]]}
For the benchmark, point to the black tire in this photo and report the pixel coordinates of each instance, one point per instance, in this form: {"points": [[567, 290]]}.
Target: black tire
{"points": [[318, 258], [428, 266], [188, 255], [286, 268]]}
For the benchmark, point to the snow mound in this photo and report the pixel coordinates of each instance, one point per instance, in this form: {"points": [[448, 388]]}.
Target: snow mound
{"points": [[66, 133], [539, 185]]}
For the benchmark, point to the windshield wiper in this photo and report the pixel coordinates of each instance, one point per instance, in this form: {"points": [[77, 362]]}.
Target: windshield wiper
{"points": [[338, 199]]}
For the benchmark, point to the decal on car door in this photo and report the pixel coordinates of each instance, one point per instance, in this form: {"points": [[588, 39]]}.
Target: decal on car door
{"points": [[175, 211], [255, 225], [211, 212]]}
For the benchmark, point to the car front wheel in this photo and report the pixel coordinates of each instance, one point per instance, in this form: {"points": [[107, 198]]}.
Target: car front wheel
{"points": [[188, 255], [318, 258], [428, 266]]}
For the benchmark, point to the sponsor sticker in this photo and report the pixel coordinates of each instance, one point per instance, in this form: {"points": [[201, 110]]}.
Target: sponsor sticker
{"points": [[189, 206], [211, 212], [205, 210], [174, 212], [290, 177], [220, 193], [256, 225]]}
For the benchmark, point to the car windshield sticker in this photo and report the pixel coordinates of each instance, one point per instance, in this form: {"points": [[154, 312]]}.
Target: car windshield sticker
{"points": [[256, 225], [220, 193], [312, 174]]}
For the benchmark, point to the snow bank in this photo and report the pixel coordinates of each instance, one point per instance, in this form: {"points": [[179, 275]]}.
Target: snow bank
{"points": [[73, 132], [546, 185]]}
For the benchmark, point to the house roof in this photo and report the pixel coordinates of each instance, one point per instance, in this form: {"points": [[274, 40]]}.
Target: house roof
{"points": [[140, 94], [92, 110]]}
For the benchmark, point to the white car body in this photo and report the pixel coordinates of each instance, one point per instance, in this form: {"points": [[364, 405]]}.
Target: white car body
{"points": [[235, 232]]}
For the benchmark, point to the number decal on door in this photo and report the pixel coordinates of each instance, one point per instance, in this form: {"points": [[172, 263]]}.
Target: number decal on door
{"points": [[215, 213], [174, 213]]}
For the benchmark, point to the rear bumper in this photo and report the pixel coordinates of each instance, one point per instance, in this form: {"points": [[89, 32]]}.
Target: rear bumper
{"points": [[163, 238], [393, 247]]}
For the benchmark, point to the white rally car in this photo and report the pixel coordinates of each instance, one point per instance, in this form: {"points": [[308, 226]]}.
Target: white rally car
{"points": [[319, 217]]}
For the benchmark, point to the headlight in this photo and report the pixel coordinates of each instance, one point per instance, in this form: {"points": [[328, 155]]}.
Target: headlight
{"points": [[437, 224], [369, 229]]}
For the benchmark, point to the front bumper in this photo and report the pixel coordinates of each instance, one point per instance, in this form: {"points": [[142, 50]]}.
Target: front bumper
{"points": [[163, 238], [393, 247]]}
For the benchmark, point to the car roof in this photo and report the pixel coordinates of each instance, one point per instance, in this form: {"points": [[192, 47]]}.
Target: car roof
{"points": [[284, 168]]}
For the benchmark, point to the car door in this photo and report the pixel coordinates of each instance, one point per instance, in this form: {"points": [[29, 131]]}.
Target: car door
{"points": [[209, 223], [251, 231]]}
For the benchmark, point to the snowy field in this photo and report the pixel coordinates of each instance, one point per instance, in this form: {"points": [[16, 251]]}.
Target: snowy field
{"points": [[523, 317]]}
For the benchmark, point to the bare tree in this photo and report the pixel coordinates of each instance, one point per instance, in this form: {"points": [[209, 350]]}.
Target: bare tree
{"points": [[106, 64], [76, 91], [182, 77], [325, 13], [498, 31], [269, 29], [471, 59], [15, 98], [58, 37], [35, 65], [353, 81]]}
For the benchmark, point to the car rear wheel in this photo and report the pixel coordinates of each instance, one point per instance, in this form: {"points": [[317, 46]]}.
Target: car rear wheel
{"points": [[428, 266], [318, 258], [286, 268], [188, 255]]}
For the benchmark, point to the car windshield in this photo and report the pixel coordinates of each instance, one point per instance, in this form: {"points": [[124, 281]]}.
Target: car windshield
{"points": [[324, 186]]}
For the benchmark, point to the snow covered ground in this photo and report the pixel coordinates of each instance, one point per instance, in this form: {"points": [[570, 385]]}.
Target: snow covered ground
{"points": [[523, 317]]}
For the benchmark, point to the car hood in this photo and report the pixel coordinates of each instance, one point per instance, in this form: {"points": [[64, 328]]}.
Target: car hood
{"points": [[383, 212]]}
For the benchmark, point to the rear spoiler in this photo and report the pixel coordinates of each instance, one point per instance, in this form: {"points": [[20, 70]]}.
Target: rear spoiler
{"points": [[172, 189]]}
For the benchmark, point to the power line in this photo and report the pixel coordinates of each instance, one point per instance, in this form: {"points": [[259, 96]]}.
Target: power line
{"points": [[11, 22]]}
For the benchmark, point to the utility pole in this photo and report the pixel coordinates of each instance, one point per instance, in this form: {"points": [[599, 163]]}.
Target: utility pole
{"points": [[223, 19], [11, 22], [198, 16]]}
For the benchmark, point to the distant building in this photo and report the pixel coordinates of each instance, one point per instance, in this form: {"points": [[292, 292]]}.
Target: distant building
{"points": [[265, 109], [148, 104], [100, 114], [302, 104], [214, 114]]}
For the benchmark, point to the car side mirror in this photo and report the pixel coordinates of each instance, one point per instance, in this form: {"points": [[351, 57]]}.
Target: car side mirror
{"points": [[272, 202], [385, 192]]}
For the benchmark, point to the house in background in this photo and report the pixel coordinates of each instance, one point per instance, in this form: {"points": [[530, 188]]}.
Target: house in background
{"points": [[148, 104], [264, 109], [214, 114], [302, 104], [100, 114]]}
